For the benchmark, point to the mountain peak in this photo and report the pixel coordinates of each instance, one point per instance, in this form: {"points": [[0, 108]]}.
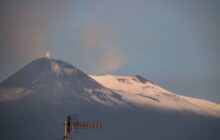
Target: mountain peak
{"points": [[50, 79], [55, 80], [140, 92], [40, 68], [141, 79], [58, 66]]}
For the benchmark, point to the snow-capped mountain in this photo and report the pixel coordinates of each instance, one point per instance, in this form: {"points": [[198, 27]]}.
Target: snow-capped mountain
{"points": [[59, 82], [56, 81], [35, 100], [140, 92]]}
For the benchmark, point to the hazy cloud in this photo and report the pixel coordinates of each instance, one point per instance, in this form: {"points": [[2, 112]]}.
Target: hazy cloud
{"points": [[25, 31], [110, 61], [100, 38]]}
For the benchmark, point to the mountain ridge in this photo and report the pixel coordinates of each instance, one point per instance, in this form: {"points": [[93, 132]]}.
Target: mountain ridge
{"points": [[153, 95], [130, 108], [52, 79]]}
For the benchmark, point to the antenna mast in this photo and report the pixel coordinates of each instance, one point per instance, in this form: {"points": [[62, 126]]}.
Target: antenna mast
{"points": [[71, 124]]}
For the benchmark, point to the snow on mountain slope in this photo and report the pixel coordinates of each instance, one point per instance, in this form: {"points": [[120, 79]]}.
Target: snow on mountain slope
{"points": [[47, 79], [57, 81], [143, 93]]}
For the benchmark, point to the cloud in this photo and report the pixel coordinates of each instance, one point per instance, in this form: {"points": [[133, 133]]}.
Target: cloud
{"points": [[31, 28], [25, 29], [21, 38], [100, 39], [111, 61], [26, 26]]}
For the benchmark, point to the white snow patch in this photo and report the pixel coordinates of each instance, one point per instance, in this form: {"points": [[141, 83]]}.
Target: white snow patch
{"points": [[104, 96], [145, 94], [68, 71], [13, 93], [55, 68]]}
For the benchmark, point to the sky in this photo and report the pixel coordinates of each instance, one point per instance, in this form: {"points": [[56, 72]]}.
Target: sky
{"points": [[174, 43]]}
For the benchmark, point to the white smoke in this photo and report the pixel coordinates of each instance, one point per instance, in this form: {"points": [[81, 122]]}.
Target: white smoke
{"points": [[48, 55], [55, 68], [98, 37]]}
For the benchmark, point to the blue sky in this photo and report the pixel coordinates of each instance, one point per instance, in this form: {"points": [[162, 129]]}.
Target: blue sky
{"points": [[174, 43]]}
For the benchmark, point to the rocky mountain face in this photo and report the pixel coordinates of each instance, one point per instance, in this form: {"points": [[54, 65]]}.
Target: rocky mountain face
{"points": [[56, 81]]}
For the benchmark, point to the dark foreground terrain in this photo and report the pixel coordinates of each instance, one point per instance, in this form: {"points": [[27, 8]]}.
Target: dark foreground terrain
{"points": [[34, 121]]}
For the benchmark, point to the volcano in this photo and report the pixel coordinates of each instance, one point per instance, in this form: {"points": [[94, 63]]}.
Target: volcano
{"points": [[35, 100], [56, 81]]}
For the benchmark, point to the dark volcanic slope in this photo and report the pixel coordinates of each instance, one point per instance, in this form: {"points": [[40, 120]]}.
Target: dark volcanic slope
{"points": [[45, 70], [56, 81], [35, 101]]}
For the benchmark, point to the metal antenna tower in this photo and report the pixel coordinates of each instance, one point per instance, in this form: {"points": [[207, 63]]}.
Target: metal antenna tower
{"points": [[72, 124]]}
